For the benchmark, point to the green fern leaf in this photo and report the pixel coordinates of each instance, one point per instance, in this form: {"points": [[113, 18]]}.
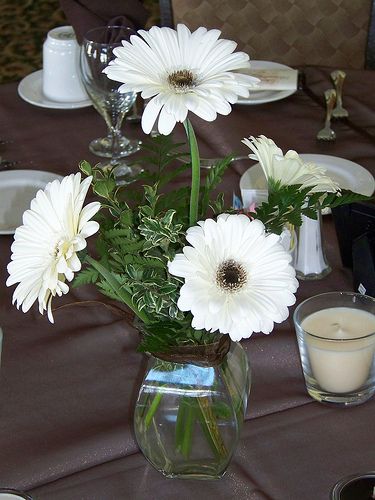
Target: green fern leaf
{"points": [[108, 291], [118, 233], [85, 277], [143, 261], [131, 248], [212, 180]]}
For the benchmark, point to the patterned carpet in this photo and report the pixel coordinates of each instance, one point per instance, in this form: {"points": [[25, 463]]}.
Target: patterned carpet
{"points": [[23, 28]]}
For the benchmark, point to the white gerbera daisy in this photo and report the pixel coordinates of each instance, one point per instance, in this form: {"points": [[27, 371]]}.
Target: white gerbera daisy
{"points": [[238, 279], [289, 169], [44, 251], [181, 71]]}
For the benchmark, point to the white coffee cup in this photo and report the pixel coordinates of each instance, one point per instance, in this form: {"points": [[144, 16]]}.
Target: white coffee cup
{"points": [[61, 72]]}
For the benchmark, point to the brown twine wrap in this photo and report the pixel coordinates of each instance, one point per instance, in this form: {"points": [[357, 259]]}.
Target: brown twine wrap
{"points": [[202, 355]]}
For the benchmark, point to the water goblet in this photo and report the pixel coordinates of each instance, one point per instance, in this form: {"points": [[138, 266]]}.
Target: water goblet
{"points": [[102, 146], [96, 53]]}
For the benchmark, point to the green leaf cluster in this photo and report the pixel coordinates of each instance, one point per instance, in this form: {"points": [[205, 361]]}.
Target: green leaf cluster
{"points": [[287, 204], [142, 227], [284, 206], [165, 334]]}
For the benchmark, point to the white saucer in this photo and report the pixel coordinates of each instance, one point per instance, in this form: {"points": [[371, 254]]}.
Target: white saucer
{"points": [[264, 96], [346, 173], [30, 89], [17, 189]]}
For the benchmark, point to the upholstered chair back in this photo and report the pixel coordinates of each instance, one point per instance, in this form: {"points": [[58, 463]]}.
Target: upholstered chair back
{"points": [[294, 32]]}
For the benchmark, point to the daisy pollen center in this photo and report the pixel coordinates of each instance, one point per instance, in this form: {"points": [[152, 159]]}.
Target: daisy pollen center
{"points": [[182, 80], [64, 248], [231, 276]]}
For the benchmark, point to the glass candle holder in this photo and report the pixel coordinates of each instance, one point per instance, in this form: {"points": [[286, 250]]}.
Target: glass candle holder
{"points": [[10, 494], [336, 340], [357, 487]]}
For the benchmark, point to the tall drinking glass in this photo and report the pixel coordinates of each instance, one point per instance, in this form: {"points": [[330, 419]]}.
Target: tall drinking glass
{"points": [[96, 53]]}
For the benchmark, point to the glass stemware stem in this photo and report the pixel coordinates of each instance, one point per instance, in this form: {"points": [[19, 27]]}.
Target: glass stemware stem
{"points": [[115, 134], [108, 100]]}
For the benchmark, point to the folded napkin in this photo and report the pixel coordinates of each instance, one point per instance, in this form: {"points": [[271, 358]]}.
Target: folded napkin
{"points": [[85, 15], [275, 79]]}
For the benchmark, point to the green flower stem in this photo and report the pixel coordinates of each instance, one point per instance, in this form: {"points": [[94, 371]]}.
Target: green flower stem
{"points": [[180, 424], [154, 406], [192, 409], [144, 407], [207, 435], [195, 172], [188, 434], [187, 412], [235, 392], [123, 295], [212, 427]]}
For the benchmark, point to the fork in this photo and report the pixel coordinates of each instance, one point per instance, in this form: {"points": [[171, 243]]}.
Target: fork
{"points": [[327, 134], [4, 164], [338, 78]]}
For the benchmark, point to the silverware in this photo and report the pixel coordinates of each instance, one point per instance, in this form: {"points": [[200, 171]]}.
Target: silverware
{"points": [[327, 134], [338, 78], [4, 164]]}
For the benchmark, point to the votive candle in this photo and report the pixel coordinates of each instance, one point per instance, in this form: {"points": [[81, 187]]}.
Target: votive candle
{"points": [[336, 340], [340, 351]]}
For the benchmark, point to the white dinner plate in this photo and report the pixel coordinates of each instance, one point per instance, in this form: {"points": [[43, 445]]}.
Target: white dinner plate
{"points": [[264, 96], [30, 89], [346, 173], [17, 189]]}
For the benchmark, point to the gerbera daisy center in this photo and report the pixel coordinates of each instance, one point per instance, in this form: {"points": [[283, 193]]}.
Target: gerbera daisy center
{"points": [[63, 248], [182, 80], [231, 276]]}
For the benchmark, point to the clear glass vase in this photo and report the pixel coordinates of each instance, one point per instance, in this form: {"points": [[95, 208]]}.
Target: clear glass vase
{"points": [[188, 417]]}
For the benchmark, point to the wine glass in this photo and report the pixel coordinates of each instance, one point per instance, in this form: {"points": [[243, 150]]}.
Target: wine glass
{"points": [[96, 53]]}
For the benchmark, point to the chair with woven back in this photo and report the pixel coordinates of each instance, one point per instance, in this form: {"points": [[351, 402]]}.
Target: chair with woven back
{"points": [[336, 33]]}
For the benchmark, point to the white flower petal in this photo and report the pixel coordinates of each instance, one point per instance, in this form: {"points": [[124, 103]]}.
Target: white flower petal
{"points": [[44, 251], [238, 279], [166, 122], [289, 169], [191, 71], [150, 115]]}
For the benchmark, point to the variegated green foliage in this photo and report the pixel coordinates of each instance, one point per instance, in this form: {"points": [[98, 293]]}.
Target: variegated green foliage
{"points": [[139, 233], [142, 228]]}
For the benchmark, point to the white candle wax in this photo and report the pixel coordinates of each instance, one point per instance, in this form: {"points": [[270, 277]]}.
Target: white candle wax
{"points": [[340, 366]]}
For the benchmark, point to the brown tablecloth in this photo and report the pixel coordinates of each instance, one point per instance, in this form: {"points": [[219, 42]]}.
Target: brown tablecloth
{"points": [[67, 391]]}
